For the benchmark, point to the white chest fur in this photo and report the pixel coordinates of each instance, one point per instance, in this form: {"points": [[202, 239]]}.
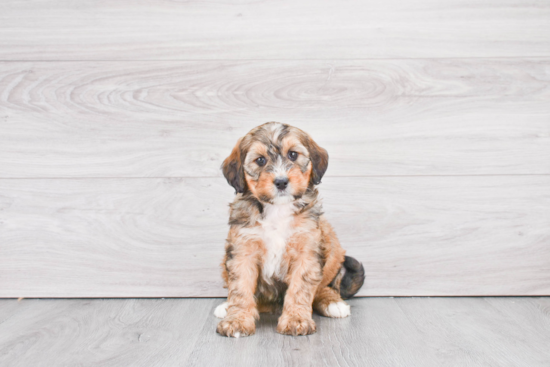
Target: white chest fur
{"points": [[276, 229]]}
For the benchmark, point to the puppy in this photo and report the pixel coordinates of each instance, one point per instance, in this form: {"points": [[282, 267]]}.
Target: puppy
{"points": [[281, 251]]}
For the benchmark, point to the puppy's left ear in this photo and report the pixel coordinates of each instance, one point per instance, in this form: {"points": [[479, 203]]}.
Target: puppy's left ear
{"points": [[319, 161], [232, 169]]}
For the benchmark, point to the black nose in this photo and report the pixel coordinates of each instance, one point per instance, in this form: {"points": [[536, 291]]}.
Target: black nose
{"points": [[281, 183]]}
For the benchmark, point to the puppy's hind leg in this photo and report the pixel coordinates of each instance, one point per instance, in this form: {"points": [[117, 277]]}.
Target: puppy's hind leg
{"points": [[329, 303], [221, 310]]}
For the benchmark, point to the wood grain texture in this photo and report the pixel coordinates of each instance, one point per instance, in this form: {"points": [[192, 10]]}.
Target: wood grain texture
{"points": [[312, 29], [431, 332], [181, 119], [116, 115], [484, 235], [100, 332]]}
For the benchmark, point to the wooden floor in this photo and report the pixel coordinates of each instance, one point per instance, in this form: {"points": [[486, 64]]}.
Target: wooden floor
{"points": [[482, 331]]}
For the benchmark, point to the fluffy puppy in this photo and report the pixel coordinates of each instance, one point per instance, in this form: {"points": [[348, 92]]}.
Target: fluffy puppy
{"points": [[281, 252]]}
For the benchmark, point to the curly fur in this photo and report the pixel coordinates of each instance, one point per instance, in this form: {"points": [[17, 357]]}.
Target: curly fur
{"points": [[281, 253]]}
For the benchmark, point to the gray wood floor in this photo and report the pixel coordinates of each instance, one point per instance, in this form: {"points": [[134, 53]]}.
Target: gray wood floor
{"points": [[435, 332]]}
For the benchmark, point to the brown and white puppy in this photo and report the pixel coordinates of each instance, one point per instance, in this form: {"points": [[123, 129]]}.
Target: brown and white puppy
{"points": [[281, 251]]}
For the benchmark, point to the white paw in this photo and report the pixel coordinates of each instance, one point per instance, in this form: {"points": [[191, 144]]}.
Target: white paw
{"points": [[221, 311], [338, 309]]}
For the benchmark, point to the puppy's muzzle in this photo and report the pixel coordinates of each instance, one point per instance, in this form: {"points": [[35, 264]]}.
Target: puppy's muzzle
{"points": [[281, 183]]}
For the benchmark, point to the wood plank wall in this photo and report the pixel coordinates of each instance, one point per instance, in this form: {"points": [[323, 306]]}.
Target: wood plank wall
{"points": [[115, 117]]}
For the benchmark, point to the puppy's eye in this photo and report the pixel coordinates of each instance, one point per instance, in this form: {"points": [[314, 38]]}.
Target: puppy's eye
{"points": [[260, 161], [292, 155]]}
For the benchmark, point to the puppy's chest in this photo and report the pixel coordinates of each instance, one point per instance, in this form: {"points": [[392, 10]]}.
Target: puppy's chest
{"points": [[276, 229]]}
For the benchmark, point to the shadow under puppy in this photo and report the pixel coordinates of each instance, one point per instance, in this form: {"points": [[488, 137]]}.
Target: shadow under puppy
{"points": [[281, 251]]}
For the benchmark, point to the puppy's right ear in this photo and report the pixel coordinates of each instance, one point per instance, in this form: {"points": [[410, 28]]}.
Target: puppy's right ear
{"points": [[232, 169]]}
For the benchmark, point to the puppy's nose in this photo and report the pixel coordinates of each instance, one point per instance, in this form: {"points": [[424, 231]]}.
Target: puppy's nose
{"points": [[281, 183]]}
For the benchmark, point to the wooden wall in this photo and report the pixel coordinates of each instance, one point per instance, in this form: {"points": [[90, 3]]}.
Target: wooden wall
{"points": [[115, 117]]}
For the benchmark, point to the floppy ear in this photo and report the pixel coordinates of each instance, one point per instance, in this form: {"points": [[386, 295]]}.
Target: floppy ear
{"points": [[233, 169], [319, 161]]}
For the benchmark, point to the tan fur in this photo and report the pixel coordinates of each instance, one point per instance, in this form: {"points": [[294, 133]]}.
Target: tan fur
{"points": [[261, 186], [242, 272], [312, 256]]}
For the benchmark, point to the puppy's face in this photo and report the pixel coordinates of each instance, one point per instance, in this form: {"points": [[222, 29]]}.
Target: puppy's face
{"points": [[276, 163]]}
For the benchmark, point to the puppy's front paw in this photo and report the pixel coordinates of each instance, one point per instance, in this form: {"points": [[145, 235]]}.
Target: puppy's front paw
{"points": [[295, 325], [237, 326], [338, 310]]}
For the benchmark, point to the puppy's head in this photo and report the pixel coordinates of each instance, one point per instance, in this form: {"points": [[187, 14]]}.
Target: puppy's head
{"points": [[276, 163]]}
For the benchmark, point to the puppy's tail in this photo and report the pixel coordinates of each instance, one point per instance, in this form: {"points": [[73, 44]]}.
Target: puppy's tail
{"points": [[353, 277]]}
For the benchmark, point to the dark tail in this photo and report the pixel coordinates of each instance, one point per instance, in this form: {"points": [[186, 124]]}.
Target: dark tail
{"points": [[353, 278]]}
